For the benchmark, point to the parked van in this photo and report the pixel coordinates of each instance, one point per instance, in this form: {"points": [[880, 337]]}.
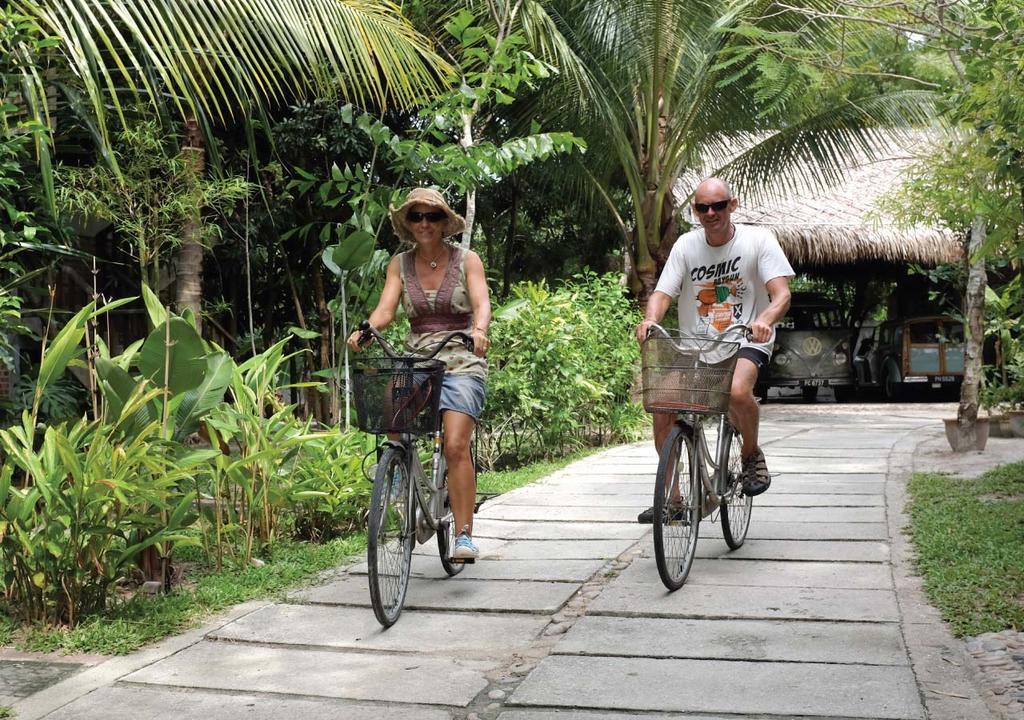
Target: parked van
{"points": [[812, 349]]}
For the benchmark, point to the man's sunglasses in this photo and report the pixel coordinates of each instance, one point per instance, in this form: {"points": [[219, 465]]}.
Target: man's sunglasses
{"points": [[717, 206], [432, 216]]}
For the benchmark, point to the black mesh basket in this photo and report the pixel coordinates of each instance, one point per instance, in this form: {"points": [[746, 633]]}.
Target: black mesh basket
{"points": [[397, 395]]}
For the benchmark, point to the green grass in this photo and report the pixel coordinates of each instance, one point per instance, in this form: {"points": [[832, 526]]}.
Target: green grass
{"points": [[969, 535], [501, 481], [130, 625]]}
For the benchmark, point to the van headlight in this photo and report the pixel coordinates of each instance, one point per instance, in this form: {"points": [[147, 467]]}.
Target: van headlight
{"points": [[782, 358], [839, 358]]}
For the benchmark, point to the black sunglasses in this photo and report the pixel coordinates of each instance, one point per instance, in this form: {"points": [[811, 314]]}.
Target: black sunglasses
{"points": [[717, 206], [433, 216]]}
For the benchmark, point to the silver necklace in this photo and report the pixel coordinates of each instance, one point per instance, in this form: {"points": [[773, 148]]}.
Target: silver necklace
{"points": [[433, 263]]}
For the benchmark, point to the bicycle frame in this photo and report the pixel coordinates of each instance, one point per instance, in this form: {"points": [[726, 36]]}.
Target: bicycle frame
{"points": [[713, 471]]}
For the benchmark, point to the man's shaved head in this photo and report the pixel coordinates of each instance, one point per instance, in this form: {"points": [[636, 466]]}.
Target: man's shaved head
{"points": [[712, 189]]}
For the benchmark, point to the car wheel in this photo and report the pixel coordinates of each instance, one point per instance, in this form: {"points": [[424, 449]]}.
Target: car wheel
{"points": [[892, 388], [844, 393]]}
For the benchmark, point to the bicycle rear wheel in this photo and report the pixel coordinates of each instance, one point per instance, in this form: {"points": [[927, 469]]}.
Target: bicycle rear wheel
{"points": [[391, 536], [735, 505], [677, 509], [444, 528]]}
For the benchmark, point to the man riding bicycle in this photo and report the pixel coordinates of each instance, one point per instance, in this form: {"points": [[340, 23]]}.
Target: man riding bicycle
{"points": [[724, 274]]}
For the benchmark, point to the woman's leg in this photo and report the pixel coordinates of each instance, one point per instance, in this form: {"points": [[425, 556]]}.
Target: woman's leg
{"points": [[458, 429]]}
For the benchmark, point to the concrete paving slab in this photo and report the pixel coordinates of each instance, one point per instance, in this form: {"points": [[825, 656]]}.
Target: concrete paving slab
{"points": [[877, 552], [820, 514], [21, 678], [826, 451], [760, 603], [827, 480], [782, 484], [546, 514], [829, 467], [560, 549], [579, 498], [789, 484], [767, 573], [421, 679], [583, 497], [786, 689], [461, 634], [824, 499], [516, 530], [844, 643], [133, 702], [459, 593], [568, 714], [541, 569], [761, 529]]}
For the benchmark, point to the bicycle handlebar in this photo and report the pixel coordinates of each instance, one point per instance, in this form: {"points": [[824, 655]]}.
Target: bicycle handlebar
{"points": [[748, 335], [369, 333]]}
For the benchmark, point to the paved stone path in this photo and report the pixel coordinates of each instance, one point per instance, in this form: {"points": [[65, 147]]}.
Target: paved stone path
{"points": [[565, 618]]}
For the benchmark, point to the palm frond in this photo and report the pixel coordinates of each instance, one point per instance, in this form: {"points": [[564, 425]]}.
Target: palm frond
{"points": [[814, 153], [225, 56]]}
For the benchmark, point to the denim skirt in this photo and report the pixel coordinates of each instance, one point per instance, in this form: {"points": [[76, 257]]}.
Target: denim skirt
{"points": [[463, 393]]}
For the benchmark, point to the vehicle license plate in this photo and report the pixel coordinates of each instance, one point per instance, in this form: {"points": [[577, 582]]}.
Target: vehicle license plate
{"points": [[944, 378], [814, 382]]}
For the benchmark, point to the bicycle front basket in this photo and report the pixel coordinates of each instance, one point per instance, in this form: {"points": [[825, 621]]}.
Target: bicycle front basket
{"points": [[397, 395], [685, 373]]}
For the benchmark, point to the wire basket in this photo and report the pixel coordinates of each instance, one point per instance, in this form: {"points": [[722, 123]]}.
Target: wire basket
{"points": [[397, 395], [684, 373]]}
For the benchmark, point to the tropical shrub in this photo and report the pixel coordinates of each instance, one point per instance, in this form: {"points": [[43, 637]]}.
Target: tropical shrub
{"points": [[561, 377], [330, 492], [79, 504]]}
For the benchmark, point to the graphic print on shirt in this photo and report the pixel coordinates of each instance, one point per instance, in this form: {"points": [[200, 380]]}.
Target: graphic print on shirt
{"points": [[719, 295]]}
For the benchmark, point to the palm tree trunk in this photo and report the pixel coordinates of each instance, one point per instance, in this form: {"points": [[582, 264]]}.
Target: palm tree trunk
{"points": [[967, 412], [190, 255]]}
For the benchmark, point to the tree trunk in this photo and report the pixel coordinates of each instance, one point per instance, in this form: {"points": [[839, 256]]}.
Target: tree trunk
{"points": [[506, 270], [662, 235], [325, 337], [190, 255], [967, 412], [467, 141]]}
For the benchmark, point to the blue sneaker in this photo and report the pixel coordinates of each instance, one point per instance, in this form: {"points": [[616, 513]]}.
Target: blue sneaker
{"points": [[464, 547]]}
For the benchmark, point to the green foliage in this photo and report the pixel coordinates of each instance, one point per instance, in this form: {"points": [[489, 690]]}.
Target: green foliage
{"points": [[330, 491], [968, 536], [156, 190], [78, 504], [566, 360]]}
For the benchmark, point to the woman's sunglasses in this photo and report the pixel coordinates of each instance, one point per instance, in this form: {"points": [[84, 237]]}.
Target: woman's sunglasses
{"points": [[432, 216], [717, 206]]}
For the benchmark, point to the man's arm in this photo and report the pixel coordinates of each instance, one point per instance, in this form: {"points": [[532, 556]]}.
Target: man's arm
{"points": [[657, 304], [778, 292]]}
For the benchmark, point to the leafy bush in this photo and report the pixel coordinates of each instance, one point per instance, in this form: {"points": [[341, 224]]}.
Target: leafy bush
{"points": [[78, 505], [330, 493], [561, 377]]}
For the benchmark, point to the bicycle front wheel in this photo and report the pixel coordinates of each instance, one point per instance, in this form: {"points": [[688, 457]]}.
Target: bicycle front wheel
{"points": [[735, 505], [677, 509], [392, 534]]}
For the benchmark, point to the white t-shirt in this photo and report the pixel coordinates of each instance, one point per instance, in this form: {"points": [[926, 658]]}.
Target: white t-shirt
{"points": [[721, 286]]}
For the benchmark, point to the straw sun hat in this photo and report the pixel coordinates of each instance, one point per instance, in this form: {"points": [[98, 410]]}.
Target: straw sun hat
{"points": [[424, 196]]}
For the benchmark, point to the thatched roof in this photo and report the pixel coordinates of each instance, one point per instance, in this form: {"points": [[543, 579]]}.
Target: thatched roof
{"points": [[844, 225]]}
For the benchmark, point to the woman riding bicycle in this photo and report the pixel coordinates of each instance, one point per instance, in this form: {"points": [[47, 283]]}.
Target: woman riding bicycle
{"points": [[442, 289]]}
